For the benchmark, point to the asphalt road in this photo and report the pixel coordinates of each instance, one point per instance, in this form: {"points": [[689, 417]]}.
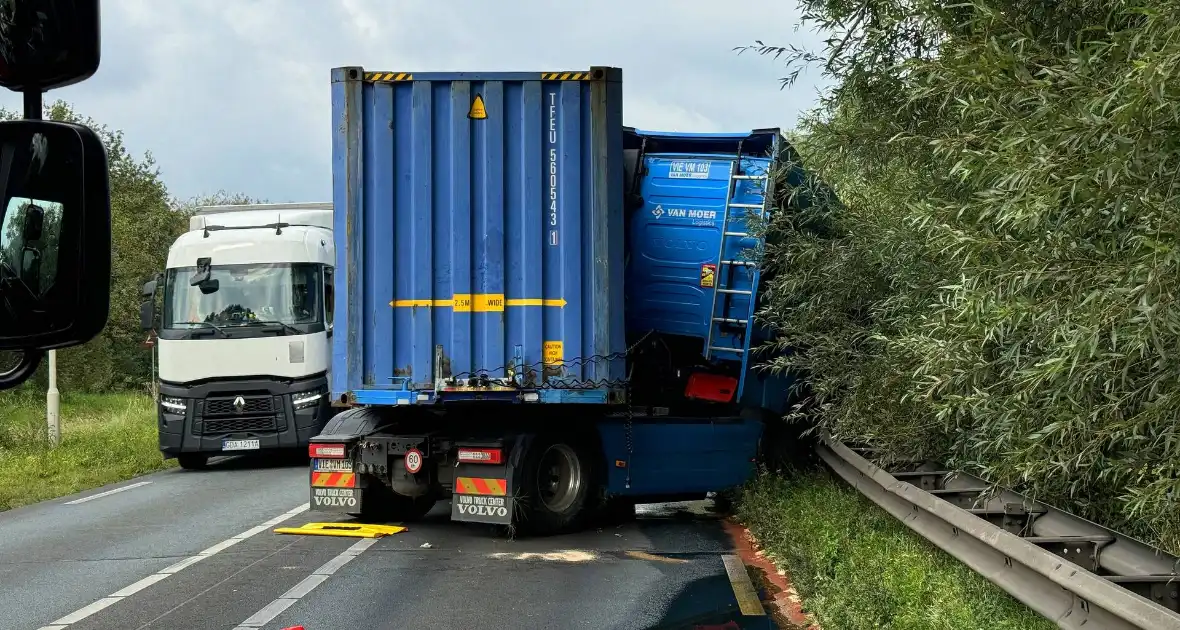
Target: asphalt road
{"points": [[195, 550]]}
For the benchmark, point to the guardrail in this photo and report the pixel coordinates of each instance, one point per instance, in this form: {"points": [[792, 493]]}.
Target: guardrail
{"points": [[1070, 570]]}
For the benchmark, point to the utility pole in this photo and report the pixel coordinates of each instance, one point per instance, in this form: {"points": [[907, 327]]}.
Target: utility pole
{"points": [[53, 402]]}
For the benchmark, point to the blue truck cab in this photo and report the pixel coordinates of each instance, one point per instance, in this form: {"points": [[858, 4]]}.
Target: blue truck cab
{"points": [[540, 314]]}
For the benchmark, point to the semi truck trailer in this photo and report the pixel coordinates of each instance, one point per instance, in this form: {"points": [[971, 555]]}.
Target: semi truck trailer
{"points": [[544, 315], [243, 336]]}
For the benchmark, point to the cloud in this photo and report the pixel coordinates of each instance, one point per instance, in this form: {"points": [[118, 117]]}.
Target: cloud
{"points": [[234, 94]]}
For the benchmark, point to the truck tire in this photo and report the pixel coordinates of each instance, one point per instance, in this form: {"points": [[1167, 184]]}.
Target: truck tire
{"points": [[556, 486], [384, 505], [193, 461]]}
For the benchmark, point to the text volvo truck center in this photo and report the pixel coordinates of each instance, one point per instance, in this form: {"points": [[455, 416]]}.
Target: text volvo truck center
{"points": [[244, 333]]}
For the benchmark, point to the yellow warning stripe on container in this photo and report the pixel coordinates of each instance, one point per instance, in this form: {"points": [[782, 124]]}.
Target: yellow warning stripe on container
{"points": [[565, 76], [388, 77], [480, 485], [559, 302], [478, 302], [333, 480]]}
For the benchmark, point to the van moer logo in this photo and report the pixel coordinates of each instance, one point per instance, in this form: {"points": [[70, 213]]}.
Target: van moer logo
{"points": [[239, 404], [684, 213]]}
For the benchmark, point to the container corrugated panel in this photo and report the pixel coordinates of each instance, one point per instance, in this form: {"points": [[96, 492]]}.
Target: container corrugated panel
{"points": [[676, 248], [479, 231], [675, 240]]}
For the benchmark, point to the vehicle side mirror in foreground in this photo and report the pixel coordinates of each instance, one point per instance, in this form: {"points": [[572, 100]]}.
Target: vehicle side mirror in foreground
{"points": [[47, 44], [55, 236], [55, 204]]}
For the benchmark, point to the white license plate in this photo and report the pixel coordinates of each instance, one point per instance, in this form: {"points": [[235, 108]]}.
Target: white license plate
{"points": [[239, 445], [333, 465]]}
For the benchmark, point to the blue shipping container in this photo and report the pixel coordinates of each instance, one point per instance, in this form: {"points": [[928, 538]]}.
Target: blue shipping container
{"points": [[479, 233]]}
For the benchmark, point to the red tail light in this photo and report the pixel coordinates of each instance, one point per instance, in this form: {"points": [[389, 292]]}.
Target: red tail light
{"points": [[327, 451], [480, 455]]}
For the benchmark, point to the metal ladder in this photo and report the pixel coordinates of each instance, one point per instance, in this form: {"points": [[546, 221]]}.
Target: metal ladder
{"points": [[718, 290]]}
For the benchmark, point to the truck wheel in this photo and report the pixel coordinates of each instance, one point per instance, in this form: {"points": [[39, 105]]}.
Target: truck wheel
{"points": [[383, 504], [556, 482], [193, 461]]}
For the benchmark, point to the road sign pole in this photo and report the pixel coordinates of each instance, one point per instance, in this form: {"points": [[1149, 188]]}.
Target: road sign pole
{"points": [[53, 401]]}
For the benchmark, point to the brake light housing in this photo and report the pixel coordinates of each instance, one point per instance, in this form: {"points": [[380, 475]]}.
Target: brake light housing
{"points": [[469, 455], [327, 451]]}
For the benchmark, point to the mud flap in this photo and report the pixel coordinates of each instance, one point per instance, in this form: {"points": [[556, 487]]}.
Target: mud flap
{"points": [[482, 494], [336, 491], [344, 500]]}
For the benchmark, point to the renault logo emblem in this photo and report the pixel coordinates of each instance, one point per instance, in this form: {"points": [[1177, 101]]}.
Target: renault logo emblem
{"points": [[239, 404]]}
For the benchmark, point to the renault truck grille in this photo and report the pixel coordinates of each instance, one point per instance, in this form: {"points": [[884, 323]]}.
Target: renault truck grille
{"points": [[224, 406], [221, 426]]}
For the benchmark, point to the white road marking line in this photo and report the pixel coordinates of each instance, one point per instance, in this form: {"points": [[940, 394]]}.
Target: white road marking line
{"points": [[107, 493], [305, 586], [131, 589]]}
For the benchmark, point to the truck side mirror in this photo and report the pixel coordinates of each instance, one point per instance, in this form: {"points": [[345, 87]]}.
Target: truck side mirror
{"points": [[329, 296], [147, 308], [147, 315], [34, 222], [54, 191], [47, 44], [54, 210]]}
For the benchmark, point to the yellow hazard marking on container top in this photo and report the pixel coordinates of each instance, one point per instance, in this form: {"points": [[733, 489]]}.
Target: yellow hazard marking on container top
{"points": [[478, 111], [481, 485], [553, 352], [565, 76], [386, 77], [478, 302], [352, 530]]}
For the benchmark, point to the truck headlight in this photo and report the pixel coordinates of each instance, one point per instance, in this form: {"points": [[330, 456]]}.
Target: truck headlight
{"points": [[304, 400], [174, 405]]}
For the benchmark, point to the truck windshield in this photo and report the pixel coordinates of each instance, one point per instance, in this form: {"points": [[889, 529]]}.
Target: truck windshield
{"points": [[250, 294]]}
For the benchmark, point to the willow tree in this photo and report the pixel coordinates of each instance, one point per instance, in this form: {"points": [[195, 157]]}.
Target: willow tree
{"points": [[996, 284]]}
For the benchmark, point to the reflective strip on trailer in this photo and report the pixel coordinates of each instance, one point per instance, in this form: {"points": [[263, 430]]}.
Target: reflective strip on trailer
{"points": [[480, 485], [333, 479]]}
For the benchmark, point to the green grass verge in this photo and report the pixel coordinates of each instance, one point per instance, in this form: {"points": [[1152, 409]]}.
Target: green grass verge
{"points": [[856, 567], [105, 438]]}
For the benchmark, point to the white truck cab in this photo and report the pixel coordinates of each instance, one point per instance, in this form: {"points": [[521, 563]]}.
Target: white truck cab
{"points": [[244, 334]]}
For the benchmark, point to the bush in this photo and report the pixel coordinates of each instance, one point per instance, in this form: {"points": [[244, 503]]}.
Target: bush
{"points": [[857, 567], [105, 438], [996, 286]]}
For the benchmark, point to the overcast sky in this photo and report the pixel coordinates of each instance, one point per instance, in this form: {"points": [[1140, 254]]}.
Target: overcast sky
{"points": [[234, 94]]}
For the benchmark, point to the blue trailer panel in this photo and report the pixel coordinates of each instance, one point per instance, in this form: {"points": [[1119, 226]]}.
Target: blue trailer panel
{"points": [[693, 242], [672, 275], [679, 456], [479, 234]]}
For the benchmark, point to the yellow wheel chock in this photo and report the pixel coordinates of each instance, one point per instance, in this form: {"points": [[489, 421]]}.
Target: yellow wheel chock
{"points": [[353, 530]]}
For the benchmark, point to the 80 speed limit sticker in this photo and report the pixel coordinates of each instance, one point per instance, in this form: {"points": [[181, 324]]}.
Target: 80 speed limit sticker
{"points": [[413, 461]]}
